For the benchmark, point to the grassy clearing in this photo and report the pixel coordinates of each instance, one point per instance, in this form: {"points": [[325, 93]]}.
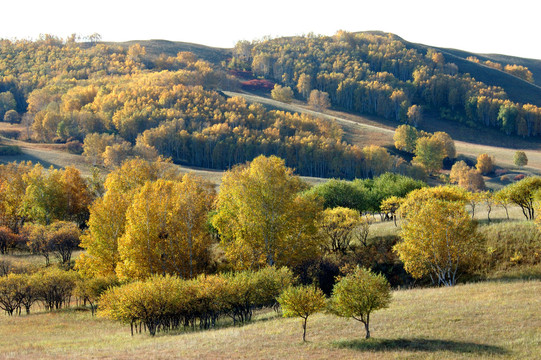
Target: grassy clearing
{"points": [[491, 320]]}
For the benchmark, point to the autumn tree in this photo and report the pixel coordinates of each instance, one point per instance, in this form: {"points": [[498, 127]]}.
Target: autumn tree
{"points": [[166, 230], [485, 163], [405, 138], [7, 102], [415, 115], [457, 171], [415, 200], [358, 294], [336, 228], [107, 219], [377, 160], [302, 302], [12, 116], [430, 152], [282, 93], [90, 289], [523, 193], [390, 206], [8, 239], [37, 236], [437, 240], [448, 144], [501, 198], [466, 177], [319, 100], [63, 238], [261, 217], [520, 158], [304, 85]]}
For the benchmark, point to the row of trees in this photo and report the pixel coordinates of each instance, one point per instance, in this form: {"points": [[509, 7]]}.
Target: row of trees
{"points": [[515, 70], [52, 287], [379, 74], [164, 303]]}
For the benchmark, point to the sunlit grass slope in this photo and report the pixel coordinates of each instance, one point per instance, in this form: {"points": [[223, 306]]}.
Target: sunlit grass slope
{"points": [[491, 320]]}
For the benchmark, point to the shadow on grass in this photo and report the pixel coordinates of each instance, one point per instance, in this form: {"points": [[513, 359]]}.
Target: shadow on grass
{"points": [[420, 344], [26, 157]]}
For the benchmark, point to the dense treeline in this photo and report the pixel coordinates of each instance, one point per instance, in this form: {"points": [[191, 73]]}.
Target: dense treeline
{"points": [[378, 74], [170, 303], [146, 106]]}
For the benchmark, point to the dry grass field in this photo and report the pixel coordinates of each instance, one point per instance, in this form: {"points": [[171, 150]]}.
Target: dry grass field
{"points": [[491, 320]]}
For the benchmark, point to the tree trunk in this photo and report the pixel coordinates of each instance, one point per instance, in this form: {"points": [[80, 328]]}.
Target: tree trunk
{"points": [[304, 329], [367, 326]]}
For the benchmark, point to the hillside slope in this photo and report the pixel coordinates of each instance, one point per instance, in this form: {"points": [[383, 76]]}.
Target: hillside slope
{"points": [[171, 48], [517, 89]]}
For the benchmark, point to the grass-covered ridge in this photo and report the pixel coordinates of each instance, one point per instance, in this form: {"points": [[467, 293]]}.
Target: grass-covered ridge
{"points": [[492, 320]]}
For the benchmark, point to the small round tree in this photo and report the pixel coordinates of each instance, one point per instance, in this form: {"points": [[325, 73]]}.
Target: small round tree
{"points": [[283, 94], [358, 294], [302, 301], [520, 158], [485, 164]]}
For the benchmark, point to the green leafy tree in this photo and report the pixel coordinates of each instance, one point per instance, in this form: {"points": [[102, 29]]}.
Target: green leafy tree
{"points": [[358, 294], [430, 152], [302, 302], [522, 193]]}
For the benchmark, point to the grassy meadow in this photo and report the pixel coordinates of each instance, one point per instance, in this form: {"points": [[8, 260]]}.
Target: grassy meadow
{"points": [[490, 320]]}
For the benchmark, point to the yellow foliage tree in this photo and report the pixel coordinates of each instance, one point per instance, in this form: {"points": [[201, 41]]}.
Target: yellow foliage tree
{"points": [[437, 240], [336, 228], [405, 138], [108, 214], [261, 217], [166, 230], [485, 164]]}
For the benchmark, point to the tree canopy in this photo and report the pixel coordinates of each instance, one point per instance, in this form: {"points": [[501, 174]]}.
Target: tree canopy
{"points": [[262, 218]]}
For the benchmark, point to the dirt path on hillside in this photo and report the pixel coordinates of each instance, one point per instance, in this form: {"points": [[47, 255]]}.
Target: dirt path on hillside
{"points": [[362, 131]]}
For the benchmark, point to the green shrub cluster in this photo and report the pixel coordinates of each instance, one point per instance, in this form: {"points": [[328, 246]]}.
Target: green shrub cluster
{"points": [[163, 303]]}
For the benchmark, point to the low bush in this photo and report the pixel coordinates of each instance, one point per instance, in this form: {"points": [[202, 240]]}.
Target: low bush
{"points": [[10, 150], [10, 134], [74, 147]]}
